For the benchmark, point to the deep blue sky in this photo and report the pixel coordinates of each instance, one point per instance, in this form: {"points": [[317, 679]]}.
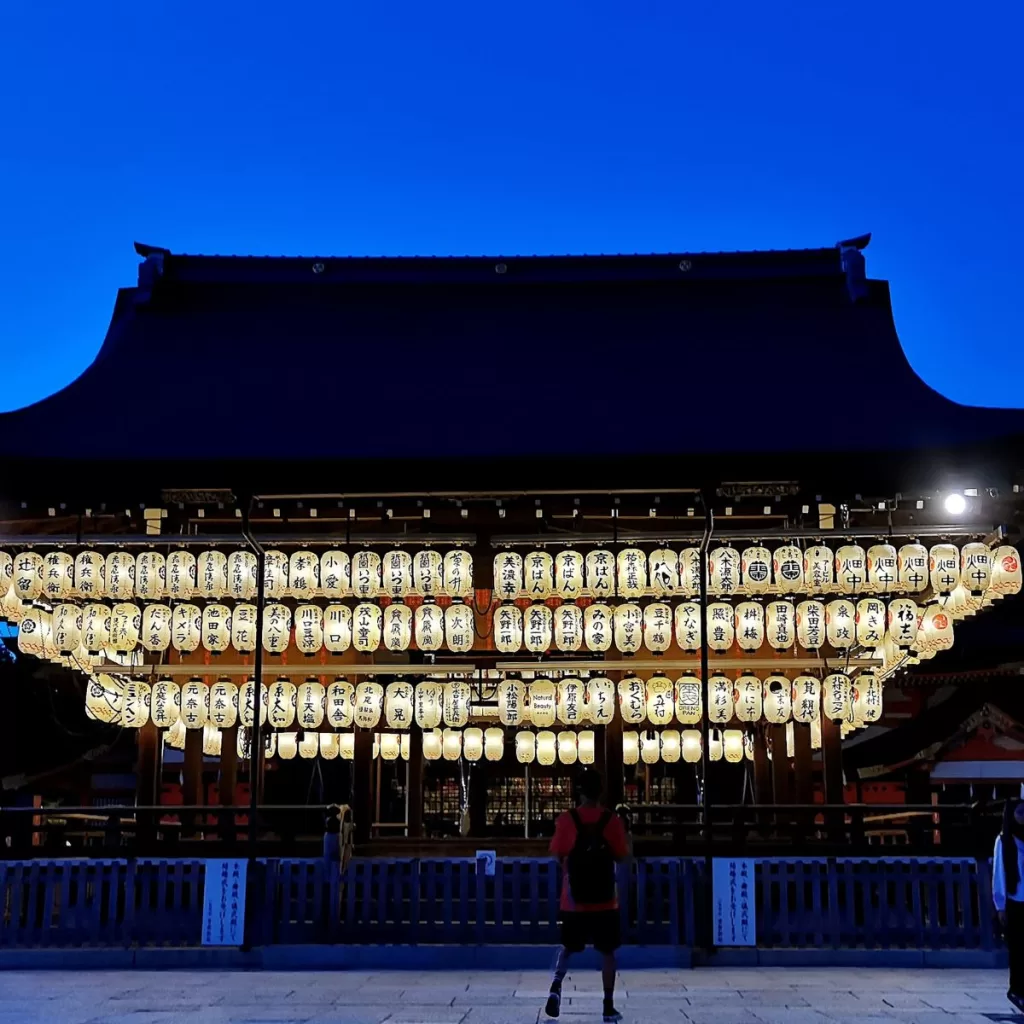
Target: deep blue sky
{"points": [[561, 126]]}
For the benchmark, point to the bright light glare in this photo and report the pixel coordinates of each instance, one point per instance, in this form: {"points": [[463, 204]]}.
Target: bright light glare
{"points": [[955, 504]]}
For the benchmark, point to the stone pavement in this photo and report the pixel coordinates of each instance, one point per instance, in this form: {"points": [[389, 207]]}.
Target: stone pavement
{"points": [[788, 995]]}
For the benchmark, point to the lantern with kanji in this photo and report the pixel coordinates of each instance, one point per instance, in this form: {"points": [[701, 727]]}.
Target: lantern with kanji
{"points": [[747, 698], [211, 575], [309, 703], [600, 700], [686, 622], [806, 692], [277, 626], [282, 698], [337, 628], [568, 627], [241, 575], [870, 621], [165, 703], [508, 629], [243, 628], [720, 700], [851, 569], [120, 576], [810, 624], [660, 700], [780, 624], [944, 568], [456, 696], [396, 572], [569, 575], [539, 575], [335, 574], [223, 704], [689, 700], [788, 564], [340, 704], [27, 582], [599, 570], [58, 576], [976, 567], [721, 626], [67, 628], [458, 574], [749, 625], [867, 698], [275, 575], [150, 576], [542, 703], [511, 698], [216, 628], [883, 568], [663, 572], [658, 627], [90, 575], [508, 575], [428, 626], [631, 573], [398, 704], [598, 627], [756, 569], [537, 628], [459, 628], [427, 573], [913, 568], [572, 703], [840, 623], [397, 627], [689, 572], [366, 575], [777, 700], [369, 705], [723, 571], [96, 627], [367, 623], [819, 569], [181, 575], [195, 704], [835, 696]]}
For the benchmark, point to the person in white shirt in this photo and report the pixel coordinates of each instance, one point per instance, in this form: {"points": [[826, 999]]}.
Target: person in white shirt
{"points": [[1008, 893]]}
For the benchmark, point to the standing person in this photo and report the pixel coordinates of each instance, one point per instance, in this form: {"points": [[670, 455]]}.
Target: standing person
{"points": [[1008, 893], [589, 841]]}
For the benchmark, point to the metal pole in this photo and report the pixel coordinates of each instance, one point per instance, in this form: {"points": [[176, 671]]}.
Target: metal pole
{"points": [[705, 729]]}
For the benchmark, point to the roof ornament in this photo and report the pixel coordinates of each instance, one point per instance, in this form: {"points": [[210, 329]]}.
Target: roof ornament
{"points": [[150, 270], [851, 253]]}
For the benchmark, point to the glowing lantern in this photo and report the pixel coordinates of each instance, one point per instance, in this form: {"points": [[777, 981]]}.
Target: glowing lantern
{"points": [[303, 575], [398, 705], [50, 651], [165, 703], [663, 572], [543, 707], [96, 627], [428, 623], [277, 628], [777, 700], [150, 576], [397, 574], [429, 704], [1006, 572], [287, 745], [90, 575], [747, 696], [600, 574], [366, 575], [749, 625], [851, 569], [571, 701], [944, 568], [243, 628], [368, 706], [103, 697], [30, 632], [398, 627], [835, 696], [330, 746], [216, 628], [309, 745], [281, 701], [175, 736], [657, 627], [458, 574], [660, 700], [335, 574], [721, 626], [67, 628], [819, 569], [547, 745], [120, 576], [937, 626], [720, 700], [241, 575], [309, 704], [840, 624], [213, 741], [687, 625], [508, 629], [246, 701], [723, 572], [455, 703], [125, 622], [6, 573], [600, 700], [756, 567], [459, 628], [810, 624], [186, 627], [913, 568], [870, 621], [867, 698], [650, 747], [597, 627], [526, 747], [692, 746], [632, 700], [568, 620], [337, 628], [275, 575], [27, 582], [631, 573], [787, 561], [473, 744], [211, 575], [689, 700], [451, 744], [630, 747], [689, 572], [733, 746], [508, 575], [340, 704], [494, 744], [539, 573], [195, 704], [427, 573], [367, 620], [223, 704], [58, 576], [432, 745], [715, 742], [806, 700], [538, 628], [347, 746], [883, 562], [569, 575], [671, 746]]}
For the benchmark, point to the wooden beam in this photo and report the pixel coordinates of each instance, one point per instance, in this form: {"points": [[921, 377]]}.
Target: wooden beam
{"points": [[362, 785], [227, 783], [147, 782]]}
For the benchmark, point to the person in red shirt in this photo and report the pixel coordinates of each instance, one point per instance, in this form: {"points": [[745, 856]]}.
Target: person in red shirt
{"points": [[589, 841]]}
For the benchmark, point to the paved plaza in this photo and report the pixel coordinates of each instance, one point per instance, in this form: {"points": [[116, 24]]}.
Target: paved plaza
{"points": [[708, 996]]}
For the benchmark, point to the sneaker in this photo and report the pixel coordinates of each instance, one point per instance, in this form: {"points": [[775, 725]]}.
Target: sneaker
{"points": [[611, 1015], [554, 1003]]}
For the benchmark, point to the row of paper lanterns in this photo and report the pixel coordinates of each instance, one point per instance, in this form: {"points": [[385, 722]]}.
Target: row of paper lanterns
{"points": [[733, 745], [631, 573]]}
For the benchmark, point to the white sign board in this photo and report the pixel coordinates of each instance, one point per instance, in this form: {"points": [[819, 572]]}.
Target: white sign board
{"points": [[735, 902], [489, 859], [224, 903]]}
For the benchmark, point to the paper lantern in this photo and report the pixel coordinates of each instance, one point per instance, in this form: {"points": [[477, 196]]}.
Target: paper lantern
{"points": [[120, 576], [692, 746], [216, 628], [585, 747], [389, 746], [630, 747], [957, 603], [303, 575], [213, 740], [657, 627], [835, 696], [870, 621], [6, 573], [58, 576], [600, 700], [689, 700], [91, 575], [367, 622], [175, 736], [281, 701], [790, 740], [428, 624], [599, 568], [747, 698], [50, 650], [723, 572], [494, 744], [369, 705], [777, 700], [277, 628], [508, 575], [571, 705], [867, 698], [1006, 572], [397, 574], [671, 746], [508, 629], [716, 744], [309, 704], [687, 625], [788, 565], [30, 632], [883, 563], [223, 704], [756, 570], [398, 705], [542, 703], [851, 569], [432, 745], [660, 700], [631, 573], [806, 692], [125, 623], [287, 745], [96, 627], [526, 747], [689, 572], [663, 572], [397, 627], [275, 575], [810, 624], [539, 575], [732, 745], [937, 626], [150, 576], [749, 625], [456, 698], [598, 628], [246, 699], [451, 744], [347, 746], [944, 568], [459, 629], [340, 704], [67, 628], [103, 699], [840, 624], [473, 744], [720, 700], [429, 703], [568, 627], [335, 574], [165, 703], [721, 626], [428, 573], [195, 704], [819, 569], [338, 628], [538, 628], [650, 747], [633, 700], [366, 575], [569, 575], [913, 568], [27, 581], [241, 575], [243, 628], [458, 574], [330, 746], [547, 747], [211, 575]]}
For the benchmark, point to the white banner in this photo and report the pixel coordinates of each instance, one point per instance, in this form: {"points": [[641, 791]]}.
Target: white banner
{"points": [[224, 903], [735, 902]]}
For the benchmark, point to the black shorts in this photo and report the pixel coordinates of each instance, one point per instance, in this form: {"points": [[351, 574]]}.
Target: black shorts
{"points": [[601, 929]]}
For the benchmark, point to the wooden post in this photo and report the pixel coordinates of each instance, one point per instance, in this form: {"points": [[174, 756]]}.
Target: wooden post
{"points": [[414, 785], [832, 769], [780, 766], [192, 778], [613, 783], [228, 780], [478, 799], [763, 795], [803, 771], [147, 784], [362, 785]]}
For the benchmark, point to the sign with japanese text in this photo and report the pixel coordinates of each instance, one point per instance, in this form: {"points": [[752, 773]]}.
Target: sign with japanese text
{"points": [[733, 894], [224, 903]]}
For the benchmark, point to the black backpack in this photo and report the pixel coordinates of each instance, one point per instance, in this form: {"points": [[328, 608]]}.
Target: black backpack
{"points": [[591, 864]]}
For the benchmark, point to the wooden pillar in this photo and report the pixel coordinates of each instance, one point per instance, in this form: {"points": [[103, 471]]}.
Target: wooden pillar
{"points": [[192, 778], [780, 766], [362, 785], [803, 765], [228, 781], [832, 770], [763, 794], [478, 799], [613, 783], [414, 784], [600, 753], [147, 783]]}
